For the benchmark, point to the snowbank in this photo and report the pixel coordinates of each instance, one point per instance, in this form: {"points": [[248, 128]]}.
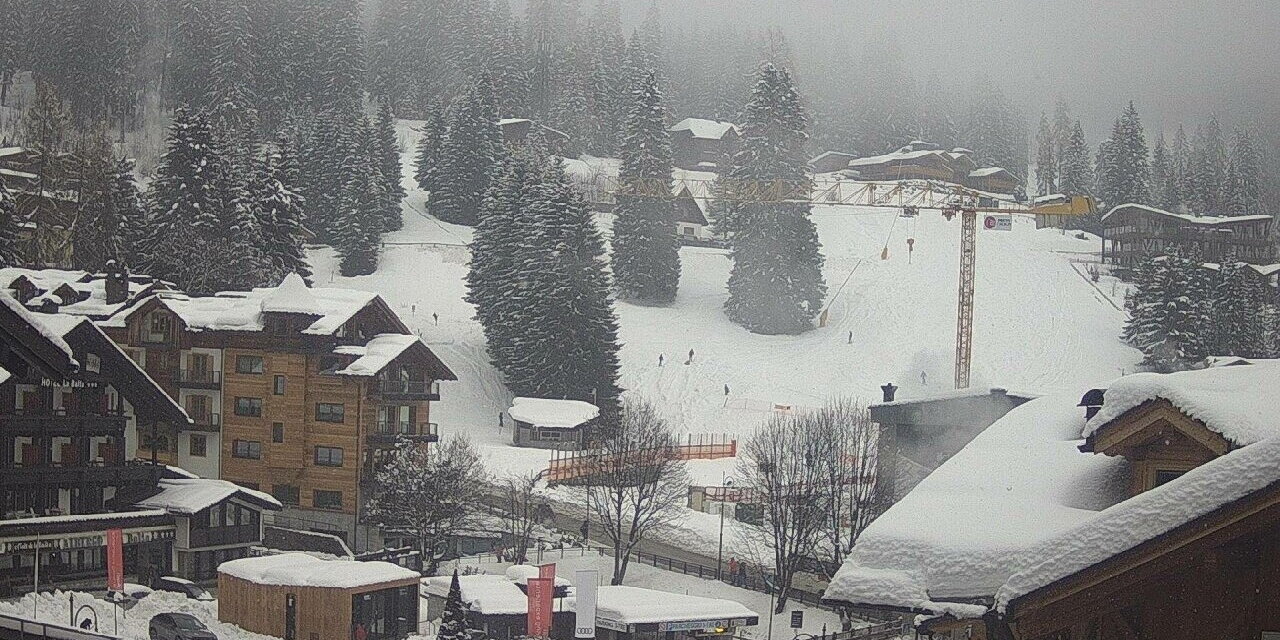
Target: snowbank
{"points": [[545, 412]]}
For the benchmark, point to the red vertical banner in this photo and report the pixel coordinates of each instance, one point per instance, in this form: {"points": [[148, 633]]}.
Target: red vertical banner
{"points": [[540, 592], [115, 559], [547, 571]]}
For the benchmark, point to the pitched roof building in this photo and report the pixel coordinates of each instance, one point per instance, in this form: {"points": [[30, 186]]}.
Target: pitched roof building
{"points": [[1156, 517]]}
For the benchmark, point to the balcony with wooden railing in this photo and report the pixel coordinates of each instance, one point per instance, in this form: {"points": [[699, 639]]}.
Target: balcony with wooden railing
{"points": [[63, 421], [385, 433], [198, 378], [396, 389]]}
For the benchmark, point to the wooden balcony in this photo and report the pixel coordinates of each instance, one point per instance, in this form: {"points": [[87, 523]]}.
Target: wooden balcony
{"points": [[208, 422], [385, 434], [407, 390], [61, 422], [99, 473], [198, 379]]}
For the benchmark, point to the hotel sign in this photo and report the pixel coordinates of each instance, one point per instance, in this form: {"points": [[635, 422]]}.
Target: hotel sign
{"points": [[82, 541]]}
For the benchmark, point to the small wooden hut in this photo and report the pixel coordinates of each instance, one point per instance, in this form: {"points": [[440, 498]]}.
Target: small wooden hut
{"points": [[300, 597]]}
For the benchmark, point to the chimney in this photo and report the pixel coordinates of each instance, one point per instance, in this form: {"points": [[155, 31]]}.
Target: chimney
{"points": [[889, 391], [117, 283], [1092, 402]]}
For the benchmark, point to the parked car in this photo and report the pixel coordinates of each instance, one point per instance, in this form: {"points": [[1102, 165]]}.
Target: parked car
{"points": [[183, 586], [130, 595], [178, 626]]}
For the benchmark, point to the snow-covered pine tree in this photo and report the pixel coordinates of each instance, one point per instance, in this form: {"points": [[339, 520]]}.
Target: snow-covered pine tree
{"points": [[98, 232], [1179, 187], [776, 285], [997, 132], [342, 65], [1125, 169], [188, 207], [1063, 126], [1106, 176], [1244, 191], [453, 623], [1169, 321], [387, 156], [127, 202], [497, 252], [508, 64], [10, 255], [427, 157], [356, 240], [1046, 160], [1208, 170], [1238, 325], [646, 251], [1161, 171], [193, 53], [233, 81], [14, 14], [567, 345], [471, 146], [279, 212]]}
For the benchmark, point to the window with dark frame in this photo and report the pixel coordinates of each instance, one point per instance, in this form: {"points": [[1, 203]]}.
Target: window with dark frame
{"points": [[278, 387], [199, 445], [286, 493], [328, 456], [249, 364], [250, 407], [277, 432], [324, 499], [247, 449], [329, 412]]}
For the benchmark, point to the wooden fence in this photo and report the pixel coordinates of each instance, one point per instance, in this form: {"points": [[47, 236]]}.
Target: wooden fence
{"points": [[572, 465]]}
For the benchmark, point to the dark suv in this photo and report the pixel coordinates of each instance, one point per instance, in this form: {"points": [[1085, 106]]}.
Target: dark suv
{"points": [[178, 626]]}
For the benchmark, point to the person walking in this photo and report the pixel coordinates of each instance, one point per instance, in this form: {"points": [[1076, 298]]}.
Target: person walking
{"points": [[661, 357], [733, 570], [690, 360], [742, 574]]}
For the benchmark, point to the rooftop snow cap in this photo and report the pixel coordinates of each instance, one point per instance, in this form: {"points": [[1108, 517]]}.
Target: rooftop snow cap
{"points": [[292, 296], [547, 412]]}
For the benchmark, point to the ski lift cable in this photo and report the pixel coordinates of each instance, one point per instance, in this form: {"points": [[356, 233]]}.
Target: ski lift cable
{"points": [[842, 285]]}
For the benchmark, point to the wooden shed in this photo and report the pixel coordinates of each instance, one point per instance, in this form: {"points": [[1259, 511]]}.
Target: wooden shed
{"points": [[300, 597]]}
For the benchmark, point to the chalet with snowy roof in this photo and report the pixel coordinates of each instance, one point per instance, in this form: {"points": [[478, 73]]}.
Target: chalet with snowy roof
{"points": [[918, 434], [1154, 514], [518, 130], [499, 604], [698, 144], [992, 180], [830, 161], [96, 296], [548, 423], [1131, 232], [692, 225], [295, 595]]}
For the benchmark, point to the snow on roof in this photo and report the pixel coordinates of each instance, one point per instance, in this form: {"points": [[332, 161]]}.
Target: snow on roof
{"points": [[292, 296], [242, 310], [520, 574], [506, 121], [1236, 402], [189, 495], [1152, 513], [11, 151], [4, 374], [957, 534], [376, 354], [59, 324], [1193, 219], [93, 292], [892, 157], [547, 412], [86, 517], [484, 594], [636, 605], [986, 171], [706, 129], [829, 154], [38, 324], [956, 394], [302, 570], [1052, 197]]}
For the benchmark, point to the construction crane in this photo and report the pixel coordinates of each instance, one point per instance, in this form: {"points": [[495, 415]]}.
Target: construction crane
{"points": [[910, 197]]}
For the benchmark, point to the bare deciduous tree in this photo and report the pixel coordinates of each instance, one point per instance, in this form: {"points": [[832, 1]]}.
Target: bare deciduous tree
{"points": [[428, 493], [637, 484], [814, 474], [520, 513]]}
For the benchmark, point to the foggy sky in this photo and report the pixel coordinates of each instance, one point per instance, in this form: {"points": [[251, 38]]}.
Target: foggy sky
{"points": [[1178, 61]]}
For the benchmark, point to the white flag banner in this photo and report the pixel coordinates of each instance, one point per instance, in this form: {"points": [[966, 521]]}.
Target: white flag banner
{"points": [[585, 586]]}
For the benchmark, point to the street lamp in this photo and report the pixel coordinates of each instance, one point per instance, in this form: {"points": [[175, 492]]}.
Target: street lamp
{"points": [[720, 546]]}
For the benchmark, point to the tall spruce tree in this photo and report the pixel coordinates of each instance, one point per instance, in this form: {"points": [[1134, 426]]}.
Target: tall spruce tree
{"points": [[1178, 188], [1161, 171], [279, 213], [1077, 168], [1208, 170], [472, 145], [1243, 192], [776, 285], [1170, 320], [567, 346], [646, 251], [1239, 326], [1046, 159], [1125, 168], [453, 622], [387, 156], [10, 254], [103, 224], [427, 157]]}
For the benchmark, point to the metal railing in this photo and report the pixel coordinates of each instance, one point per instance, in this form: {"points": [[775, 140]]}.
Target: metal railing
{"points": [[406, 428], [410, 388], [187, 376]]}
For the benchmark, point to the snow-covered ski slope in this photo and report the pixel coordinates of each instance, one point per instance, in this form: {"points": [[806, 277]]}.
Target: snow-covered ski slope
{"points": [[1040, 324]]}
